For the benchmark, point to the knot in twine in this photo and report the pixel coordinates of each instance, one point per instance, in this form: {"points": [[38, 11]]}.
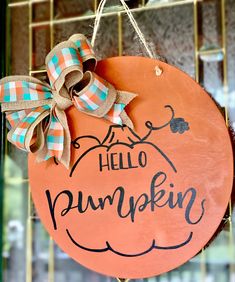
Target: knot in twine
{"points": [[36, 110]]}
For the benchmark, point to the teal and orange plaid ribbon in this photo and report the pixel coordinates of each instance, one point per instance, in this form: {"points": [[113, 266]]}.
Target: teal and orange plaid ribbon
{"points": [[36, 110]]}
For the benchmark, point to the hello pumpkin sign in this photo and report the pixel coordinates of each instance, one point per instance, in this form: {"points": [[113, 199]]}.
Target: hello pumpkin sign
{"points": [[141, 197]]}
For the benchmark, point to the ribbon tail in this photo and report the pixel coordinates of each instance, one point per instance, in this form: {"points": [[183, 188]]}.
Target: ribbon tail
{"points": [[117, 114], [66, 155], [125, 98], [58, 139]]}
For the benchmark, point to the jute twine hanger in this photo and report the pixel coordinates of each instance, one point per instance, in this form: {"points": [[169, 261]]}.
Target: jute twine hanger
{"points": [[99, 14]]}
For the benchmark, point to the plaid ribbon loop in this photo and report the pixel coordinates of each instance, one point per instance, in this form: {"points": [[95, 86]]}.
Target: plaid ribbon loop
{"points": [[36, 110]]}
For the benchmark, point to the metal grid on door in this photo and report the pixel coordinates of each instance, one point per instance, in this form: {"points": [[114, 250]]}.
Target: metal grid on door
{"points": [[51, 22]]}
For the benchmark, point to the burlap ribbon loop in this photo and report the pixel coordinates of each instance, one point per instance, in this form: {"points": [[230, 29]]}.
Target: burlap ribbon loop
{"points": [[36, 110]]}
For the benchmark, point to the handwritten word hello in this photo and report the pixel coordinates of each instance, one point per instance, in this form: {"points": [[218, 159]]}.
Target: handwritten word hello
{"points": [[119, 161]]}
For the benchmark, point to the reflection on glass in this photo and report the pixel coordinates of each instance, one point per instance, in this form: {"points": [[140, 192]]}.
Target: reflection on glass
{"points": [[15, 211]]}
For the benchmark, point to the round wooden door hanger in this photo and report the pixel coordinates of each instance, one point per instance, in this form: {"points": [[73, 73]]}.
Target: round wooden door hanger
{"points": [[137, 203]]}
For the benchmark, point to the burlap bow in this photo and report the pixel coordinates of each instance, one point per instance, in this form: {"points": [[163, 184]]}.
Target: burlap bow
{"points": [[36, 110]]}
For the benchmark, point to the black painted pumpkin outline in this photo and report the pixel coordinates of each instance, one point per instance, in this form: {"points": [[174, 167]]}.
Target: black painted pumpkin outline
{"points": [[177, 125]]}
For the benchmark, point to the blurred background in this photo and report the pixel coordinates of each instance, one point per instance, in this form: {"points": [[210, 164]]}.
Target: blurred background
{"points": [[196, 36]]}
